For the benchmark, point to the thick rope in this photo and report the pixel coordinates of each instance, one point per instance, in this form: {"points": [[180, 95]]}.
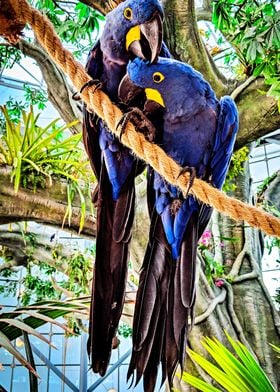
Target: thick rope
{"points": [[100, 103]]}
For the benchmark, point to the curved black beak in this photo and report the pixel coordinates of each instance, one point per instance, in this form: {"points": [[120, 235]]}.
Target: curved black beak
{"points": [[128, 91], [148, 46]]}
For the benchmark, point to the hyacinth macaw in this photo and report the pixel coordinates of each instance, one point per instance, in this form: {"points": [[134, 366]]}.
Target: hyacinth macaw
{"points": [[132, 29], [198, 132]]}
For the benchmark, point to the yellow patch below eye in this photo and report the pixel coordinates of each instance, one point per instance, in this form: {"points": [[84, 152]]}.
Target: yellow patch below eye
{"points": [[127, 13], [154, 95], [158, 77]]}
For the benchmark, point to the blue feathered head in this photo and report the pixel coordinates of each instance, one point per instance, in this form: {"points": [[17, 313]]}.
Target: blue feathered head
{"points": [[172, 84], [135, 26]]}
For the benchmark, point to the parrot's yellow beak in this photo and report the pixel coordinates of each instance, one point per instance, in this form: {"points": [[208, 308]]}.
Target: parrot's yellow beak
{"points": [[134, 34], [154, 95], [128, 91]]}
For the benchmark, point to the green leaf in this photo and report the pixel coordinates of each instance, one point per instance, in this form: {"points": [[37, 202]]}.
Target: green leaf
{"points": [[22, 326], [242, 373], [7, 345], [214, 372], [17, 170], [199, 384]]}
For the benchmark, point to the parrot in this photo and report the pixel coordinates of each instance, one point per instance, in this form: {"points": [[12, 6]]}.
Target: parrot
{"points": [[133, 28], [198, 131]]}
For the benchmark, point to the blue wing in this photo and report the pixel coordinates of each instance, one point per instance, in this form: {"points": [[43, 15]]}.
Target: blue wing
{"points": [[225, 138], [94, 67]]}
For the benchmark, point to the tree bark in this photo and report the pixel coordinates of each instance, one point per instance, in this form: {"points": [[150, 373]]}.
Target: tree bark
{"points": [[272, 193], [242, 307], [59, 91], [102, 6], [46, 205], [258, 113], [185, 43]]}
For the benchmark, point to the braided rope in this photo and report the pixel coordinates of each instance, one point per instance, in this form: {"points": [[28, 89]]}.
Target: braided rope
{"points": [[100, 103]]}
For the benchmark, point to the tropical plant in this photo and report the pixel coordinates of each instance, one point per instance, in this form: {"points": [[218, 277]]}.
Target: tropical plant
{"points": [[25, 320], [40, 154], [234, 371], [45, 279], [253, 28], [213, 269]]}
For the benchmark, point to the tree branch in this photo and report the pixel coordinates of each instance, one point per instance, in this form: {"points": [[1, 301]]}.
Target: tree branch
{"points": [[102, 6], [185, 43], [217, 300], [59, 91], [46, 205], [258, 113], [272, 193]]}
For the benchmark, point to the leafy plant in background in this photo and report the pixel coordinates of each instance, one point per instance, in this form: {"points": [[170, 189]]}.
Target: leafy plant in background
{"points": [[125, 330], [235, 371], [14, 108], [37, 284], [74, 22], [213, 269], [253, 28], [236, 168], [37, 156], [79, 272], [265, 184], [9, 56], [35, 97], [38, 279]]}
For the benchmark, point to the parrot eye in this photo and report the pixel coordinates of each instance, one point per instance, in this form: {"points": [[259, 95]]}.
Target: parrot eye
{"points": [[127, 13], [158, 77]]}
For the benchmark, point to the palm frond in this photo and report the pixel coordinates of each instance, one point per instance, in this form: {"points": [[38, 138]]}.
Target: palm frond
{"points": [[234, 371], [26, 320]]}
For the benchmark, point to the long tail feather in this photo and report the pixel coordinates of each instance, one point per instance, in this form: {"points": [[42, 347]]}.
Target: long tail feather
{"points": [[151, 305], [114, 224], [164, 303]]}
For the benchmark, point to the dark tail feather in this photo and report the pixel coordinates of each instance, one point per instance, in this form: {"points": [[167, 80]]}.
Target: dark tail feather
{"points": [[181, 299], [164, 305], [114, 223], [151, 308]]}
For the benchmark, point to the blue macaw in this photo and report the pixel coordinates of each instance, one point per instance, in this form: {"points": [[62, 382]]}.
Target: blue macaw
{"points": [[198, 131], [132, 29]]}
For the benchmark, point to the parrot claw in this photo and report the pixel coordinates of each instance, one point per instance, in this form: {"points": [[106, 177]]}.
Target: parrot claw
{"points": [[192, 171], [93, 82], [140, 121]]}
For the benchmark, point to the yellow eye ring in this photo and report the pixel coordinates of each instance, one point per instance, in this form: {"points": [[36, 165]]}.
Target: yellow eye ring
{"points": [[128, 13], [158, 77]]}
